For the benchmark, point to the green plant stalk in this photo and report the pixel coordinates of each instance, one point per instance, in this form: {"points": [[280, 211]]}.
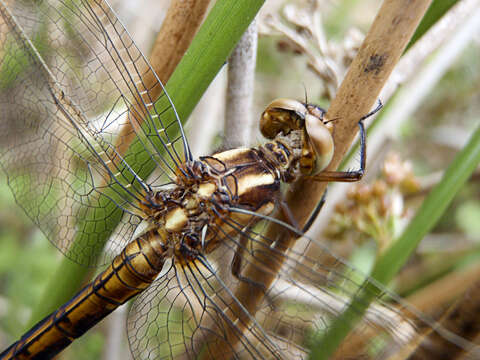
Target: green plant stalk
{"points": [[395, 257], [206, 55]]}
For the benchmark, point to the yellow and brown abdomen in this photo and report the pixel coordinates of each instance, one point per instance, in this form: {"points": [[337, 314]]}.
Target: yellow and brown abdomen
{"points": [[130, 273]]}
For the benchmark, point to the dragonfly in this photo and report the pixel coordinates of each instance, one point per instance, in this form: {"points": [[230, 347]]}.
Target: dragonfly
{"points": [[180, 236]]}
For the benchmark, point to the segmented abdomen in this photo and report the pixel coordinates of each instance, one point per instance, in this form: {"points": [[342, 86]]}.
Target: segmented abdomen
{"points": [[130, 273]]}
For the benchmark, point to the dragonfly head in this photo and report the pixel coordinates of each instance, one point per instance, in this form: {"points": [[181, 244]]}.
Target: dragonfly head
{"points": [[282, 116]]}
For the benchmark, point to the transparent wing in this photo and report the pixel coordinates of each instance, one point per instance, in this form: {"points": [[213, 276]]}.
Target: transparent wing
{"points": [[284, 300], [80, 131], [186, 313]]}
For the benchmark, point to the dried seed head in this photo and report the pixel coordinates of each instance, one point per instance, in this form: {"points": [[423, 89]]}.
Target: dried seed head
{"points": [[379, 188], [371, 211]]}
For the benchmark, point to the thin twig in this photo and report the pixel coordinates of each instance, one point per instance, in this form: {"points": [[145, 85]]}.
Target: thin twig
{"points": [[239, 121]]}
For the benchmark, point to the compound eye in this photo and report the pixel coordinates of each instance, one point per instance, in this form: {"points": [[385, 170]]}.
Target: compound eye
{"points": [[282, 115], [322, 141]]}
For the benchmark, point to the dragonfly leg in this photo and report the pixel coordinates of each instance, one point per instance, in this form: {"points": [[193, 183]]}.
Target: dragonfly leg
{"points": [[241, 249], [348, 176], [356, 175], [236, 265], [315, 212]]}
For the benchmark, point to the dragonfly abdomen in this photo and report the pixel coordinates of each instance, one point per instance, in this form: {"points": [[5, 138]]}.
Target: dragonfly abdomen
{"points": [[129, 274]]}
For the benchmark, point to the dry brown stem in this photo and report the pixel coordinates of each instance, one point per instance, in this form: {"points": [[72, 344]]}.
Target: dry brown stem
{"points": [[393, 26], [180, 26], [461, 319], [445, 290], [432, 300]]}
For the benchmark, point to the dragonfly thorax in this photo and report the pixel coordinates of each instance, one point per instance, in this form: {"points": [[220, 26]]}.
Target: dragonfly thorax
{"points": [[200, 212], [196, 216]]}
